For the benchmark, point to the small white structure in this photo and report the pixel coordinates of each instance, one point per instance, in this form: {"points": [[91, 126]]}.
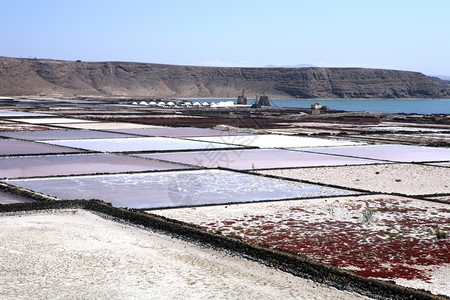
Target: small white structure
{"points": [[152, 103], [171, 104], [161, 104], [143, 103], [134, 103], [222, 104], [197, 104], [316, 106]]}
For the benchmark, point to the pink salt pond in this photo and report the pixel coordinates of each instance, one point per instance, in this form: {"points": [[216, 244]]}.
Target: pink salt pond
{"points": [[14, 167], [398, 153], [241, 159], [137, 144], [174, 188], [62, 134], [55, 120], [177, 132], [11, 113], [15, 147]]}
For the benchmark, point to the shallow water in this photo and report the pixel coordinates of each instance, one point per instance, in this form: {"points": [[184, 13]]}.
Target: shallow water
{"points": [[398, 153], [11, 113], [178, 188], [62, 134], [256, 159], [177, 132], [56, 120], [105, 125], [13, 167], [275, 141], [409, 106], [137, 144], [14, 147]]}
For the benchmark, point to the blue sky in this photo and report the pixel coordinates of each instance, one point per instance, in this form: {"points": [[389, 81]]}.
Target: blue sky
{"points": [[394, 34]]}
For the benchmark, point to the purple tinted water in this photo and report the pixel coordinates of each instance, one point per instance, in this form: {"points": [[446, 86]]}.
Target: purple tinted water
{"points": [[177, 132], [178, 188], [240, 159], [62, 134], [13, 167], [138, 144], [399, 153], [15, 147]]}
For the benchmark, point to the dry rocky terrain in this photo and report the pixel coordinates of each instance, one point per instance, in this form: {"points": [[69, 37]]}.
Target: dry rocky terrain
{"points": [[52, 78]]}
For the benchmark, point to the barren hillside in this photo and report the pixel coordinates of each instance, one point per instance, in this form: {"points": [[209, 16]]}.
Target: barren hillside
{"points": [[51, 78]]}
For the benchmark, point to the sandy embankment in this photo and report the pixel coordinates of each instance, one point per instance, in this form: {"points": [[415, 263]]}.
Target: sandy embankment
{"points": [[74, 253], [408, 179], [336, 230]]}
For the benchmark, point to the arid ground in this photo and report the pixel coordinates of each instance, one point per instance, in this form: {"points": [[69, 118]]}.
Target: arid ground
{"points": [[221, 202]]}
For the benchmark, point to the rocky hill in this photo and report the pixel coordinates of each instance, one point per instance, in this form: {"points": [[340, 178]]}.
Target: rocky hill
{"points": [[444, 82], [51, 78]]}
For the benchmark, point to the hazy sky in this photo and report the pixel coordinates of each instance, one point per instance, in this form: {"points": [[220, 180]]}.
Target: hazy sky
{"points": [[395, 34]]}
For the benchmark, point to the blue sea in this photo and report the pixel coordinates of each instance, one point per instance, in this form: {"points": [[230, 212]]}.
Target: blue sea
{"points": [[408, 106]]}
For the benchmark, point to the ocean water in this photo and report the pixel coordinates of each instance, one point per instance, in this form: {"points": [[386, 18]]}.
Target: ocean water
{"points": [[408, 106]]}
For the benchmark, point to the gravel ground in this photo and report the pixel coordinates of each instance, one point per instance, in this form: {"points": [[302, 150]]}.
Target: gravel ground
{"points": [[336, 230], [408, 179], [442, 164], [74, 254]]}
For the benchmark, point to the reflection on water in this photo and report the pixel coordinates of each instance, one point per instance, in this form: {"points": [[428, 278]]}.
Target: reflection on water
{"points": [[137, 144], [276, 141], [168, 189], [13, 147], [13, 167], [177, 132], [401, 153], [256, 159], [62, 134]]}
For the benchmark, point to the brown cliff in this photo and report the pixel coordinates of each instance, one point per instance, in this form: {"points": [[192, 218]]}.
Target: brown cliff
{"points": [[51, 78]]}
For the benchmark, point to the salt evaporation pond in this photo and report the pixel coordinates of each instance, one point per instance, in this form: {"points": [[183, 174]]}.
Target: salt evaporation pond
{"points": [[137, 144], [13, 167], [15, 147], [52, 120], [6, 198], [177, 188], [178, 132], [10, 113], [249, 159], [275, 141], [106, 125], [400, 153], [62, 134]]}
